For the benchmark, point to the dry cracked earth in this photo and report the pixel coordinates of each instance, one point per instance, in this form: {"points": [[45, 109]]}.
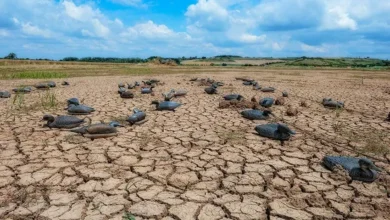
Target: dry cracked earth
{"points": [[200, 162]]}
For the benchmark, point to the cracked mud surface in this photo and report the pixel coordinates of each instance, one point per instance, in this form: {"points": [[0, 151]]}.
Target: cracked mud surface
{"points": [[200, 162]]}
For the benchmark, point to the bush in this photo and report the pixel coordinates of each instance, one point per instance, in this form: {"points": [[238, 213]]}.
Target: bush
{"points": [[11, 56]]}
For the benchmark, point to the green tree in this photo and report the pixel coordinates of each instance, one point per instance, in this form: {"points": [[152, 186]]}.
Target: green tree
{"points": [[11, 56]]}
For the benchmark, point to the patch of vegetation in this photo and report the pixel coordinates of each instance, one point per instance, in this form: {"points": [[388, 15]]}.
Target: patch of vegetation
{"points": [[46, 101], [290, 74], [18, 102], [338, 111], [375, 143], [11, 56], [229, 89], [233, 137], [372, 141], [105, 59], [338, 62], [338, 126], [128, 216], [49, 100], [120, 119], [138, 71], [35, 75]]}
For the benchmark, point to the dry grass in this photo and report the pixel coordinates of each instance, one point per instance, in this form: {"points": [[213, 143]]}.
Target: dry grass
{"points": [[49, 100], [120, 119], [34, 75], [235, 62], [290, 73], [229, 89], [22, 69], [375, 143], [128, 216], [338, 126], [338, 112], [371, 141], [46, 101], [233, 137], [75, 139]]}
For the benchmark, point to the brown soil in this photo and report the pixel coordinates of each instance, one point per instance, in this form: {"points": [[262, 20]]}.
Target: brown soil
{"points": [[201, 161]]}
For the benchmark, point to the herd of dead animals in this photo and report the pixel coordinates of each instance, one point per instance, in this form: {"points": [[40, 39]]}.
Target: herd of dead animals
{"points": [[361, 169]]}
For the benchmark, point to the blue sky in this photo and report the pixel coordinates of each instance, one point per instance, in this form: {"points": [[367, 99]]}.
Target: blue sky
{"points": [[173, 28]]}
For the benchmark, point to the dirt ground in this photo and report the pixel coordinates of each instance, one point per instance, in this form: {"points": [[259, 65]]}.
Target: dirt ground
{"points": [[200, 162]]}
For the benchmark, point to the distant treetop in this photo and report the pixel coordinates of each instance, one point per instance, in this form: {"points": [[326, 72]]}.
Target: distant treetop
{"points": [[11, 56], [227, 56]]}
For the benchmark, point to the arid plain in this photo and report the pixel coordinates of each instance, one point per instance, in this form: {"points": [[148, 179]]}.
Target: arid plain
{"points": [[199, 162]]}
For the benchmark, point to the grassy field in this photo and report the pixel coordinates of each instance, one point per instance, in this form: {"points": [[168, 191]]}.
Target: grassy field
{"points": [[28, 69], [300, 62], [239, 62]]}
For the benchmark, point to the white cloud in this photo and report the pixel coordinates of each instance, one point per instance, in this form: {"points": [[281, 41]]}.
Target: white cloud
{"points": [[119, 22], [34, 30], [246, 27], [287, 14], [15, 20], [209, 15], [100, 29], [249, 38], [309, 48], [4, 33], [81, 13], [33, 46], [135, 3], [148, 30], [87, 33], [277, 46], [210, 8], [338, 18]]}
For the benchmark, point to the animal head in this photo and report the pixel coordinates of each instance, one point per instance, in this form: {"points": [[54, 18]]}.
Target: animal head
{"points": [[73, 101], [155, 102], [115, 124], [267, 112], [48, 118], [282, 128], [240, 97], [69, 106], [367, 164], [135, 110]]}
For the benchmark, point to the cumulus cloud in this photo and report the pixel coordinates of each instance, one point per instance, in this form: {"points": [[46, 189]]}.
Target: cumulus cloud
{"points": [[81, 13], [134, 3], [281, 15], [209, 15], [309, 48], [30, 29], [250, 38], [149, 30], [206, 27], [338, 18], [4, 33]]}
